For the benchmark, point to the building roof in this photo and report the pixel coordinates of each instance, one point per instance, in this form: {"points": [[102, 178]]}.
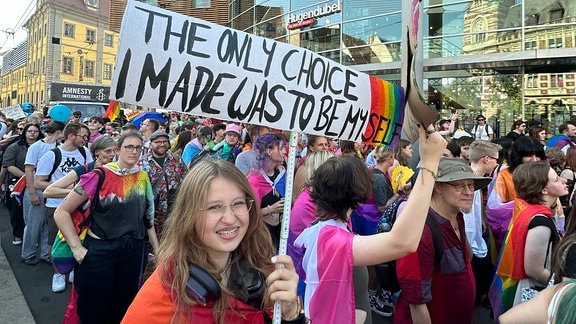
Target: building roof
{"points": [[14, 58]]}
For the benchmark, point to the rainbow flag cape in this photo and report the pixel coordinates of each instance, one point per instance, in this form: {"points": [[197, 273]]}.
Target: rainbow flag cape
{"points": [[510, 264], [113, 110]]}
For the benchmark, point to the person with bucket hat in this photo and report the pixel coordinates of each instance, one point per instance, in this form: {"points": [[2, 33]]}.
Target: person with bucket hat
{"points": [[230, 147], [436, 281]]}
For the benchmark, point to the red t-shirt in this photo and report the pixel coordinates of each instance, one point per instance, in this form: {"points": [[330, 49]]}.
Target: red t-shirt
{"points": [[448, 289]]}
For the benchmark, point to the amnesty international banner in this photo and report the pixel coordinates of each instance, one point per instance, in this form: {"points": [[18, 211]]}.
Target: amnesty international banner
{"points": [[171, 61]]}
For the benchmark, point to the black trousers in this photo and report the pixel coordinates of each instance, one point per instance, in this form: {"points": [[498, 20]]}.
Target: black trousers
{"points": [[108, 278], [483, 274], [16, 212]]}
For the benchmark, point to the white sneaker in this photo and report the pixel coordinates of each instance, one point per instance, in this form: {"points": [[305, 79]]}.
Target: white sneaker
{"points": [[58, 282], [71, 277]]}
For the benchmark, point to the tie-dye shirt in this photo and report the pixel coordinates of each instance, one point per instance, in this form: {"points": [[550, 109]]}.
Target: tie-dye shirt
{"points": [[126, 202]]}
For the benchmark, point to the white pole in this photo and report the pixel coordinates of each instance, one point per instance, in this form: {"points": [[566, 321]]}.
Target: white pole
{"points": [[285, 225]]}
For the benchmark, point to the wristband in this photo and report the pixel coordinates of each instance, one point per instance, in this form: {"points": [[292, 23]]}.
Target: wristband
{"points": [[297, 314], [431, 172]]}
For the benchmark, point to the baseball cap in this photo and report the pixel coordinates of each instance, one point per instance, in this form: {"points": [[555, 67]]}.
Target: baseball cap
{"points": [[232, 128], [455, 169], [157, 134], [77, 113]]}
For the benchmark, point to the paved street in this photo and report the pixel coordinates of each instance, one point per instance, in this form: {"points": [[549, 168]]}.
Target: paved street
{"points": [[34, 281]]}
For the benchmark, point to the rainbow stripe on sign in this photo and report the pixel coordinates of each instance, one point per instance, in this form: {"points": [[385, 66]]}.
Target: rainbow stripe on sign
{"points": [[386, 113]]}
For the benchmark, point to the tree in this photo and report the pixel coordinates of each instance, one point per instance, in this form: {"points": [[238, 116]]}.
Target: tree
{"points": [[509, 85]]}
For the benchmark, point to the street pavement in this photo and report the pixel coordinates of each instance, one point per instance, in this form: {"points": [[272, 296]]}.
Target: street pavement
{"points": [[26, 291], [26, 295]]}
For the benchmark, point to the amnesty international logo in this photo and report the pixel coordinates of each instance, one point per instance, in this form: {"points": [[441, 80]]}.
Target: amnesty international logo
{"points": [[101, 96]]}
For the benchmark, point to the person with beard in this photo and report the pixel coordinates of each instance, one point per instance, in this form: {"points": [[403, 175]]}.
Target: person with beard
{"points": [[166, 172], [433, 289]]}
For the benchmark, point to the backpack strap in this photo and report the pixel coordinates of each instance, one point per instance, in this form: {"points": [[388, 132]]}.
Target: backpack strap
{"points": [[96, 199], [436, 238], [57, 160], [82, 152]]}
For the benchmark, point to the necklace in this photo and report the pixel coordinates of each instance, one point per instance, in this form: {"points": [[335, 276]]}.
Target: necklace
{"points": [[455, 228], [227, 266]]}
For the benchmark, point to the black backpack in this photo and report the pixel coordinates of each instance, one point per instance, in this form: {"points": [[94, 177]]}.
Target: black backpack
{"points": [[386, 272]]}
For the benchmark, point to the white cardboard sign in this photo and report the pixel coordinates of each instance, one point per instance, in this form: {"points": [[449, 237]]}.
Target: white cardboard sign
{"points": [[170, 61]]}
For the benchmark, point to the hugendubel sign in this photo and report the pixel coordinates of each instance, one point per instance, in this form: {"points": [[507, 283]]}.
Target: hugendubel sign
{"points": [[309, 17]]}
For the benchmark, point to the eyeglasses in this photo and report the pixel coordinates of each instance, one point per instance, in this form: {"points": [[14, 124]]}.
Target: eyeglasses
{"points": [[77, 116], [85, 137], [161, 142], [20, 128], [32, 131], [239, 207], [461, 186], [494, 158], [481, 119], [131, 148], [115, 134]]}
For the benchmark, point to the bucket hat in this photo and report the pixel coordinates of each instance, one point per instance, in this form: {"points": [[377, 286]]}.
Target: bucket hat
{"points": [[455, 169]]}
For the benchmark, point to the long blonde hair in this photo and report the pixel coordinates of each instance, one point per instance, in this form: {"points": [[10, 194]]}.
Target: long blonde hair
{"points": [[181, 244]]}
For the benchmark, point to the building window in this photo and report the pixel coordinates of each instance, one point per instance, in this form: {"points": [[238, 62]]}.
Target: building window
{"points": [[556, 80], [555, 42], [89, 69], [109, 40], [90, 36], [531, 45], [532, 81], [69, 30], [478, 27], [67, 65], [556, 15], [532, 19], [201, 4], [107, 73]]}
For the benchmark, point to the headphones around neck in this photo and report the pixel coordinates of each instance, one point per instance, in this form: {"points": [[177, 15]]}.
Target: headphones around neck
{"points": [[202, 285]]}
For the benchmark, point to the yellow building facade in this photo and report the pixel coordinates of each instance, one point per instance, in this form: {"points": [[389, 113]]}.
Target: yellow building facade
{"points": [[69, 55]]}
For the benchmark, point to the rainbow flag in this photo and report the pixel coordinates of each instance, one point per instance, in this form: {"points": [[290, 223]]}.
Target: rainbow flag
{"points": [[386, 113], [113, 110]]}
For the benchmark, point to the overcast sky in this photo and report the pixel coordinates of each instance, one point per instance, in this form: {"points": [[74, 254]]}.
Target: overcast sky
{"points": [[13, 14]]}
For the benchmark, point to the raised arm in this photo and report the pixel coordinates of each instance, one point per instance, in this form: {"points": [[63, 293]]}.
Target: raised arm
{"points": [[407, 230]]}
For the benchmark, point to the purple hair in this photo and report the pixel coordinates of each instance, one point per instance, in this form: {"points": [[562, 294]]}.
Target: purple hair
{"points": [[263, 143]]}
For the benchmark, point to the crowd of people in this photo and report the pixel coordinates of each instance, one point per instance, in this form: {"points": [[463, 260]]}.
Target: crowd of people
{"points": [[185, 214]]}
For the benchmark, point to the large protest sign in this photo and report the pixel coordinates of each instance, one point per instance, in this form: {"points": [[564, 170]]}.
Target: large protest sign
{"points": [[171, 61]]}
